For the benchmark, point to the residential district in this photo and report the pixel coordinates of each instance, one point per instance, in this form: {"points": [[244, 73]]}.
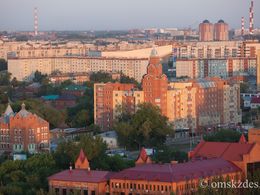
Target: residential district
{"points": [[155, 111]]}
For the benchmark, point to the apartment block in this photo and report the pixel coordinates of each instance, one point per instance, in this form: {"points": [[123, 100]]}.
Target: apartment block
{"points": [[24, 68], [223, 68], [192, 104]]}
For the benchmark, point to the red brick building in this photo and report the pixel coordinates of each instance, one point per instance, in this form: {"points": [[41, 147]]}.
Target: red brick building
{"points": [[192, 104], [81, 179], [23, 131], [207, 161], [155, 84], [105, 106]]}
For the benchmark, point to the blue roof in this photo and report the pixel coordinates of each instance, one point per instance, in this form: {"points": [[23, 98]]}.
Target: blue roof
{"points": [[247, 98], [50, 97]]}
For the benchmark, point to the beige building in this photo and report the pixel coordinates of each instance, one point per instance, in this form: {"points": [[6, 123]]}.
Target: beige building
{"points": [[191, 104], [32, 49], [218, 67], [24, 68], [210, 49]]}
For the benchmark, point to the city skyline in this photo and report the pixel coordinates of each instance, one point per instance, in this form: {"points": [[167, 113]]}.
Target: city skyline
{"points": [[113, 14]]}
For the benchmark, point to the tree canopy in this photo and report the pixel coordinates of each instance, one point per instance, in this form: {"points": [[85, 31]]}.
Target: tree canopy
{"points": [[26, 177], [3, 64], [95, 149], [147, 127], [4, 78], [53, 116], [224, 135]]}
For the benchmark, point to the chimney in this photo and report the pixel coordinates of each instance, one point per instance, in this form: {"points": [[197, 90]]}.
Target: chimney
{"points": [[242, 26], [70, 167]]}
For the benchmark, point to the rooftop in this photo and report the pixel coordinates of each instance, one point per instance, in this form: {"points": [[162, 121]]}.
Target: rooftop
{"points": [[225, 150], [177, 172], [81, 175]]}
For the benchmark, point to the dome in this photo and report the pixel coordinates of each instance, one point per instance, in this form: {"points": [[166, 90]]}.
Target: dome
{"points": [[206, 22], [221, 21]]}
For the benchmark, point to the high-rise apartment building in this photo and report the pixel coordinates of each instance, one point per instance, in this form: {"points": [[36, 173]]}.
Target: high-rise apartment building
{"points": [[191, 104], [216, 32], [24, 68], [108, 100], [221, 31], [206, 31], [218, 67], [23, 131]]}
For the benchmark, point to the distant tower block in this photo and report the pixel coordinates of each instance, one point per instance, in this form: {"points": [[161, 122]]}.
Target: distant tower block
{"points": [[35, 21], [242, 26], [251, 18]]}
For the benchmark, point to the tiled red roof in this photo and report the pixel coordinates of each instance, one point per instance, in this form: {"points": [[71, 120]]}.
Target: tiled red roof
{"points": [[255, 100], [177, 172], [225, 150], [81, 175]]}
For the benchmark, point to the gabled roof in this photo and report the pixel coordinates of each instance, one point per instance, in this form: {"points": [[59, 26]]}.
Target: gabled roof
{"points": [[143, 157], [23, 112], [82, 157], [242, 139], [177, 172], [226, 150], [8, 111]]}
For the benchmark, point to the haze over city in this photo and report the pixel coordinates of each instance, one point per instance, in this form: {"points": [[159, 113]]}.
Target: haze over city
{"points": [[129, 97], [121, 14]]}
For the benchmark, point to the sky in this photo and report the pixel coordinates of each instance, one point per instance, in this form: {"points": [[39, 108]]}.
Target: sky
{"points": [[17, 15]]}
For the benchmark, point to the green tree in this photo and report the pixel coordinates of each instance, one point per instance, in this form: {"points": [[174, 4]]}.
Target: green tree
{"points": [[244, 87], [3, 64], [4, 78], [82, 114], [39, 77], [166, 154], [65, 154], [81, 118], [127, 79], [223, 135], [147, 127], [53, 116], [99, 77]]}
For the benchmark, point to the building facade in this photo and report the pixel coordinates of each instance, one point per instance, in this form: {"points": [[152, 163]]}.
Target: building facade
{"points": [[24, 68], [208, 161], [23, 131], [218, 67], [221, 31], [206, 31], [192, 104], [108, 99]]}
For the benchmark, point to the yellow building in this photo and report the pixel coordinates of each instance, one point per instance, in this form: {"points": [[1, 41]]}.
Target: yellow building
{"points": [[24, 68]]}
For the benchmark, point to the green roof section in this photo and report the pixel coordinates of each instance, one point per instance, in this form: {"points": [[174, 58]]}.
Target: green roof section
{"points": [[50, 97]]}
